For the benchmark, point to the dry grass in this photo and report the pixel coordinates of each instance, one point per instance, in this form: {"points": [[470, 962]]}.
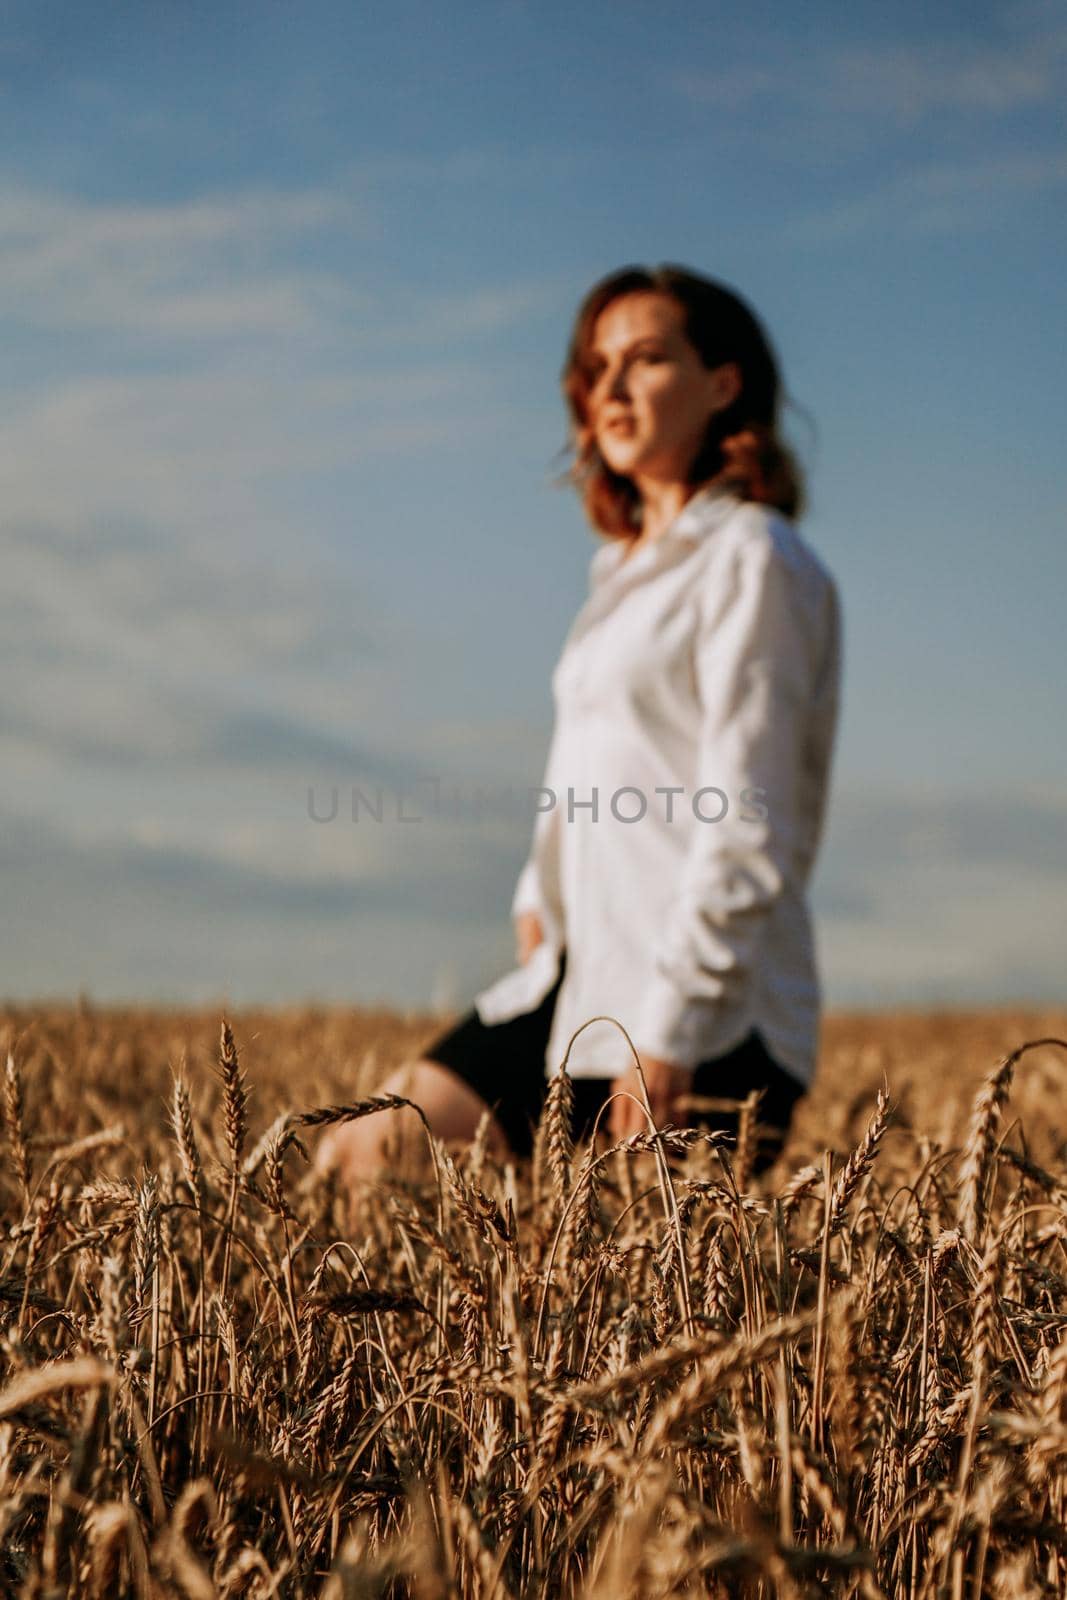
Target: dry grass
{"points": [[633, 1374]]}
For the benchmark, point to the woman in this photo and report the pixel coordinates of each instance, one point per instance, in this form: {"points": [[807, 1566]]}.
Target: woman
{"points": [[696, 706]]}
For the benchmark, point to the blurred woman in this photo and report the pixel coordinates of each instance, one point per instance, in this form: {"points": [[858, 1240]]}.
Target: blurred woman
{"points": [[696, 702]]}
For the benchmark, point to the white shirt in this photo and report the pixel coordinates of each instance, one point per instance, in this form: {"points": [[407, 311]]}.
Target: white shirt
{"points": [[710, 659]]}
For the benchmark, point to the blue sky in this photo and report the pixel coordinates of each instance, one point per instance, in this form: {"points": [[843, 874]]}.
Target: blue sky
{"points": [[284, 294]]}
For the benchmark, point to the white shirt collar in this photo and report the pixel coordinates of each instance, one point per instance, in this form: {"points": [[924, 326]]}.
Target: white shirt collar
{"points": [[701, 514]]}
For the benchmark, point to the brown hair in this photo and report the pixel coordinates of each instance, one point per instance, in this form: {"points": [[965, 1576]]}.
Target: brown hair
{"points": [[741, 449]]}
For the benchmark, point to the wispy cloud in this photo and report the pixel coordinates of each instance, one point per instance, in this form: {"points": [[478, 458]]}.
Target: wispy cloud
{"points": [[204, 268], [188, 416], [230, 269], [183, 448], [912, 82], [728, 89], [928, 897], [866, 116], [151, 915], [905, 82], [122, 651], [938, 197]]}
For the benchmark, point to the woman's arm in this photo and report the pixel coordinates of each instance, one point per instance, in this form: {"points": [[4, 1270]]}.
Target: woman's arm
{"points": [[529, 933], [767, 665]]}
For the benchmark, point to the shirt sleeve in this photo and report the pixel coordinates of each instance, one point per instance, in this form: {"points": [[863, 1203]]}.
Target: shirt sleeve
{"points": [[539, 887], [762, 644]]}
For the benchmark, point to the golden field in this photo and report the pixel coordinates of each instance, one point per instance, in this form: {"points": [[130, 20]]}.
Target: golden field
{"points": [[610, 1374]]}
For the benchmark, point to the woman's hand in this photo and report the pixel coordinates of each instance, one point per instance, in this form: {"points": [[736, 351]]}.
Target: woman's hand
{"points": [[528, 935], [666, 1082]]}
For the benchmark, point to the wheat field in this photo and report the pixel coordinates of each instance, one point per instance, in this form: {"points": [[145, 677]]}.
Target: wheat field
{"points": [[607, 1374]]}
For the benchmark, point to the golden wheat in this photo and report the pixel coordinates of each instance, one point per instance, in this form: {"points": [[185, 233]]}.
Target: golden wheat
{"points": [[638, 1372]]}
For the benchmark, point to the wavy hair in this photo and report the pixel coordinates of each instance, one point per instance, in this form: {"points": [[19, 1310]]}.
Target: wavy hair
{"points": [[741, 450]]}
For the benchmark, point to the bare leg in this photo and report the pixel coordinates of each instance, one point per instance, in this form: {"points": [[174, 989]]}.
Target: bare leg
{"points": [[360, 1150]]}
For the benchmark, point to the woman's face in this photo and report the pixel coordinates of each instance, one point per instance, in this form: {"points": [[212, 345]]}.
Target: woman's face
{"points": [[651, 397]]}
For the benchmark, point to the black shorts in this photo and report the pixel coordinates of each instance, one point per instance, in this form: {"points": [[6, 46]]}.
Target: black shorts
{"points": [[504, 1062]]}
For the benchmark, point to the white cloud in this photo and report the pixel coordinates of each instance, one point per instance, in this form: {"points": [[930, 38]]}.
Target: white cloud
{"points": [[943, 896], [475, 312], [938, 197], [124, 651], [137, 920], [227, 270], [911, 82], [203, 448], [191, 415], [906, 82], [728, 90], [978, 933], [201, 268]]}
